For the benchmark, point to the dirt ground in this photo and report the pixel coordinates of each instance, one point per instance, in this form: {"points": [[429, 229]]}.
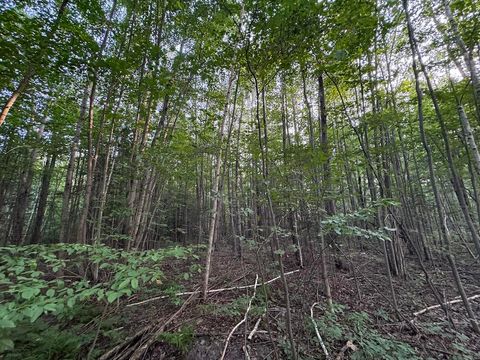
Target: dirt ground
{"points": [[367, 290]]}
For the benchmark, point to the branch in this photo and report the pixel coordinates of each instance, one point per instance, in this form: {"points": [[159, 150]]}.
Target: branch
{"points": [[255, 328], [456, 300], [325, 351], [209, 291], [241, 321], [139, 352], [134, 346]]}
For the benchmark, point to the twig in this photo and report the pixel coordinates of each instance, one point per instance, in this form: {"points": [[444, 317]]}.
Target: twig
{"points": [[439, 350], [241, 321], [209, 291], [97, 332], [153, 337], [456, 300], [131, 345], [325, 351], [255, 328], [126, 344], [245, 350]]}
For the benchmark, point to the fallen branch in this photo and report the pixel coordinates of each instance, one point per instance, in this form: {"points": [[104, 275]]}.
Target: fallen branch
{"points": [[322, 344], [135, 346], [121, 348], [209, 291], [138, 353], [241, 321], [456, 300], [255, 328], [439, 350], [245, 350]]}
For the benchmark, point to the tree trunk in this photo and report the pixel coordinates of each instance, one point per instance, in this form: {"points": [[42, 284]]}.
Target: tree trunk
{"points": [[23, 84], [439, 208], [67, 191], [216, 185], [36, 233]]}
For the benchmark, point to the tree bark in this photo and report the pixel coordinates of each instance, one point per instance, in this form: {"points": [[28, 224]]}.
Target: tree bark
{"points": [[32, 67], [439, 208], [216, 185], [36, 233]]}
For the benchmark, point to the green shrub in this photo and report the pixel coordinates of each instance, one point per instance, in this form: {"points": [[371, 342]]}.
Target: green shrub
{"points": [[238, 307], [54, 279], [338, 327], [41, 341], [181, 339]]}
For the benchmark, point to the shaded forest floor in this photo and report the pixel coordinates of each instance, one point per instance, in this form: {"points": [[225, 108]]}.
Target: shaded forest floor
{"points": [[369, 323]]}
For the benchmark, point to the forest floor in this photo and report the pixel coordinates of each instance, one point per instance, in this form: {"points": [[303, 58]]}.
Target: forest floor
{"points": [[360, 328]]}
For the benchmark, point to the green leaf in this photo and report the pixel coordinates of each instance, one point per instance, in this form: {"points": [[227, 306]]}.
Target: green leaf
{"points": [[6, 344], [123, 284], [132, 273], [50, 292], [6, 324], [35, 312], [71, 302], [134, 283], [100, 294], [279, 252], [28, 293], [112, 296], [50, 307]]}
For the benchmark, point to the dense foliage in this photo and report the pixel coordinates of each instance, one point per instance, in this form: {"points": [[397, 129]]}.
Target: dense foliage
{"points": [[39, 280], [133, 129]]}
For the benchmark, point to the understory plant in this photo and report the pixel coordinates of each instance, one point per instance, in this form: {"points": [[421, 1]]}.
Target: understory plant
{"points": [[38, 280], [339, 326]]}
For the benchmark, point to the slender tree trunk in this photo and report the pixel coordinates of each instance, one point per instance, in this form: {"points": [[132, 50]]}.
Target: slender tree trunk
{"points": [[454, 173], [91, 154], [470, 139], [329, 202], [83, 225], [216, 185], [21, 203], [18, 233], [467, 57], [23, 84], [67, 191], [36, 232], [439, 208]]}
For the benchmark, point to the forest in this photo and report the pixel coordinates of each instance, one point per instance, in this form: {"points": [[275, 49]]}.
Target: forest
{"points": [[239, 179]]}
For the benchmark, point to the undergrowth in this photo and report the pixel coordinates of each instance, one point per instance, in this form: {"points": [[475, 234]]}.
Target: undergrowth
{"points": [[181, 339], [339, 326], [235, 308], [57, 282]]}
